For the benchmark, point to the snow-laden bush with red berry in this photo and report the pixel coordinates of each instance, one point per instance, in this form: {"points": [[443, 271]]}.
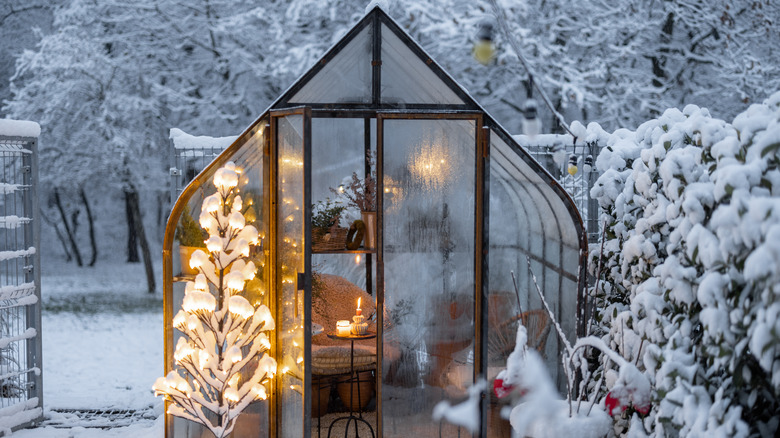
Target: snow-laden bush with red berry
{"points": [[689, 270]]}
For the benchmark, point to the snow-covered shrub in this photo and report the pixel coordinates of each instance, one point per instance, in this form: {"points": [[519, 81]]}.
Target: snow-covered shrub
{"points": [[221, 362], [690, 268]]}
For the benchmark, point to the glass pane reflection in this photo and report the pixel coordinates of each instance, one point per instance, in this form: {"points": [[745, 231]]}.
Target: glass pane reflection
{"points": [[429, 270]]}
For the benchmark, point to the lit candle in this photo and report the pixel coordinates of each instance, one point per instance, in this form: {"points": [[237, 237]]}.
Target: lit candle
{"points": [[358, 311], [342, 327]]}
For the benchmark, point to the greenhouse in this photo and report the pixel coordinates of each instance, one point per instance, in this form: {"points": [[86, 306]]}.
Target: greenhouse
{"points": [[402, 235]]}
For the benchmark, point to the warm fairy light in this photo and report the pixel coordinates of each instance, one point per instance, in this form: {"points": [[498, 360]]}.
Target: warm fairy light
{"points": [[236, 220], [300, 359], [214, 244], [231, 394], [239, 306], [259, 391], [234, 354], [201, 283], [357, 259], [429, 165], [285, 370], [192, 323], [197, 259], [183, 350], [203, 359], [180, 319], [234, 281], [266, 343], [234, 380], [198, 301]]}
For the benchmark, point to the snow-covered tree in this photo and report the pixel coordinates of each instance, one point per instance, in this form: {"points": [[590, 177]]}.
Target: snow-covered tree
{"points": [[221, 358], [690, 267]]}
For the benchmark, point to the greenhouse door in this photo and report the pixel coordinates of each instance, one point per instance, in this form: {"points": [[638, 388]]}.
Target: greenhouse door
{"points": [[431, 171], [291, 152]]}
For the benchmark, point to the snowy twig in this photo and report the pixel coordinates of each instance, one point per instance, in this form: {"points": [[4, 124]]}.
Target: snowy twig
{"points": [[598, 275], [517, 294], [558, 328], [502, 21]]}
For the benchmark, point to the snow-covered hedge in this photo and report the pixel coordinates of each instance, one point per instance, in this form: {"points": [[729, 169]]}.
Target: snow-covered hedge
{"points": [[690, 269]]}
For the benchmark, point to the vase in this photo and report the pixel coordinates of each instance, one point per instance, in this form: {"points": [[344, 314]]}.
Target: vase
{"points": [[369, 219], [185, 252]]}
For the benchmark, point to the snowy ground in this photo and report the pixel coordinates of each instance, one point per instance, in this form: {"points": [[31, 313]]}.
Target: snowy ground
{"points": [[102, 349]]}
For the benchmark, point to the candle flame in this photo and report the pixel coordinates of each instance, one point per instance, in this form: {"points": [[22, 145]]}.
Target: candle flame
{"points": [[358, 304]]}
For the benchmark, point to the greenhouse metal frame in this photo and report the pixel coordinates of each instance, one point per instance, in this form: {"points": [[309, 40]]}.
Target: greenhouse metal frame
{"points": [[489, 220]]}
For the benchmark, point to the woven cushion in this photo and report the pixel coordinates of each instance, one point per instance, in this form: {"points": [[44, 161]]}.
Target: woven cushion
{"points": [[326, 360]]}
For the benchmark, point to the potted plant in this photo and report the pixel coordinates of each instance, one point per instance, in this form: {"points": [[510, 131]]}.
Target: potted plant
{"points": [[190, 236], [361, 194], [325, 229]]}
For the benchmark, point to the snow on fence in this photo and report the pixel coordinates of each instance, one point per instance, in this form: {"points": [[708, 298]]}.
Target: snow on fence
{"points": [[557, 153], [21, 401], [189, 155]]}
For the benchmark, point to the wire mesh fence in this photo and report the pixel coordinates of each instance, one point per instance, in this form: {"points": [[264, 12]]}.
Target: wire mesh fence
{"points": [[189, 154], [573, 166], [21, 389]]}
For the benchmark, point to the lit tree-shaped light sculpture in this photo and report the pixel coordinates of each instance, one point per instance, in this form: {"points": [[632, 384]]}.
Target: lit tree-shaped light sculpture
{"points": [[222, 365]]}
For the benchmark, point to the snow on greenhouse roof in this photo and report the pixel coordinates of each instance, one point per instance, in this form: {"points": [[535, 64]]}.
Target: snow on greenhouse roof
{"points": [[19, 128], [182, 140]]}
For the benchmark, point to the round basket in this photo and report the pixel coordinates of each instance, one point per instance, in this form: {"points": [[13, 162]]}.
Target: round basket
{"points": [[334, 239]]}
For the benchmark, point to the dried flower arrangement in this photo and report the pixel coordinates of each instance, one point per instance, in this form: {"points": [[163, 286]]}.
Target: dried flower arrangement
{"points": [[361, 193]]}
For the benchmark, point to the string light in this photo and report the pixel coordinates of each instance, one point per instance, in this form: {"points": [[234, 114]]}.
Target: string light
{"points": [[572, 169], [484, 50]]}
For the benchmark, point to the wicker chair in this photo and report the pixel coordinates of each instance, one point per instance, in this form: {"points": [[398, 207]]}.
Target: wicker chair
{"points": [[501, 338]]}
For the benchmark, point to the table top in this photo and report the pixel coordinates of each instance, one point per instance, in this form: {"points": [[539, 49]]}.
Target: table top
{"points": [[368, 335]]}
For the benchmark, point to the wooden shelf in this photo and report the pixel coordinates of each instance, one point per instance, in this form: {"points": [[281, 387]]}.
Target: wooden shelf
{"points": [[183, 277], [346, 251]]}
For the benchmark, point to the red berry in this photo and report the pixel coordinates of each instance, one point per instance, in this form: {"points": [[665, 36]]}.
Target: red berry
{"points": [[613, 405], [500, 390]]}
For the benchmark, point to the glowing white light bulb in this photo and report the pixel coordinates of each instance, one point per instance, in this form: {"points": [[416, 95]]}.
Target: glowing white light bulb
{"points": [[259, 391], [231, 395], [234, 354], [236, 220], [234, 280], [241, 307]]}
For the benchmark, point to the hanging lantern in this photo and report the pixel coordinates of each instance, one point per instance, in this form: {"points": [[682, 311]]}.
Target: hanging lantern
{"points": [[572, 169], [484, 50], [531, 124], [587, 165]]}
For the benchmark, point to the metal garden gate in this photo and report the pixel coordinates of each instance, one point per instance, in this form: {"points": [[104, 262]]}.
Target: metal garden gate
{"points": [[21, 391]]}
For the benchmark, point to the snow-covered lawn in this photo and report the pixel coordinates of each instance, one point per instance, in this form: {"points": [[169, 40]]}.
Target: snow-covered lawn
{"points": [[102, 347]]}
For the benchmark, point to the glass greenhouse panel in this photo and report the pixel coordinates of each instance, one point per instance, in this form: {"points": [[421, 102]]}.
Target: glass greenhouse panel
{"points": [[429, 235], [407, 79], [338, 148], [346, 78], [291, 262], [535, 230]]}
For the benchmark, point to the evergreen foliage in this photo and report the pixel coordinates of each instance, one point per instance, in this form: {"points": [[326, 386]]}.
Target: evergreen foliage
{"points": [[691, 268]]}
